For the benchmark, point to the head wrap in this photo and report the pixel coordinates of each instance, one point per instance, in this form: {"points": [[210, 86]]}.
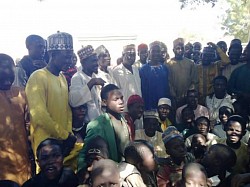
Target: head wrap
{"points": [[142, 46], [149, 114], [178, 41], [101, 50], [86, 52], [135, 99], [130, 46], [164, 101], [60, 41], [170, 133]]}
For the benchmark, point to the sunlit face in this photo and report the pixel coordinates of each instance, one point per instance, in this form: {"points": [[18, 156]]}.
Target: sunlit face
{"points": [[179, 51], [164, 111], [104, 60], [129, 56], [7, 74], [195, 179], [143, 54], [234, 132], [115, 101], [90, 65], [50, 160]]}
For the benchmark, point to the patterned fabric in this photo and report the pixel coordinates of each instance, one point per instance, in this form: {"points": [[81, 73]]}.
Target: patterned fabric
{"points": [[60, 41]]}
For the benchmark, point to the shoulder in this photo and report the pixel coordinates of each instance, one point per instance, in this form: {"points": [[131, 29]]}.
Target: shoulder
{"points": [[99, 121]]}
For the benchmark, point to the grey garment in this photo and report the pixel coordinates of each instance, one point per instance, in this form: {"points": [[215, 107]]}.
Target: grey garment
{"points": [[20, 77]]}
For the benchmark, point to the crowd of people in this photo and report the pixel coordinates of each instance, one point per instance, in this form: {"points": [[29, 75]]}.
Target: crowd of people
{"points": [[156, 122]]}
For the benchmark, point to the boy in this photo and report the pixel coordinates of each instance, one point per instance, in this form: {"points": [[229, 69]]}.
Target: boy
{"points": [[198, 146], [164, 109], [139, 165], [170, 168], [50, 159], [151, 132], [111, 126], [235, 129], [105, 172], [194, 174]]}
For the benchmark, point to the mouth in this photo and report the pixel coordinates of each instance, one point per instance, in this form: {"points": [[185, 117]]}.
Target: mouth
{"points": [[51, 170]]}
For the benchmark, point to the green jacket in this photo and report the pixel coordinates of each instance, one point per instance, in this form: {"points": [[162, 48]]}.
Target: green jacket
{"points": [[101, 126]]}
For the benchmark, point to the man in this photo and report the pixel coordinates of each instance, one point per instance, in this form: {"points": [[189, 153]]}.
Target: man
{"points": [[83, 89], [143, 54], [154, 78], [31, 62], [164, 110], [14, 157], [188, 50], [218, 99], [192, 103], [47, 94], [179, 65], [126, 75], [223, 46], [235, 51]]}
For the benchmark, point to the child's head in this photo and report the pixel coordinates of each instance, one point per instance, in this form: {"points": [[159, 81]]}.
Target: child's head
{"points": [[105, 172], [218, 159], [224, 113], [187, 115], [79, 113], [164, 108], [194, 174], [202, 125], [50, 158], [140, 154], [151, 122], [198, 145], [174, 143], [135, 106], [112, 98], [235, 129]]}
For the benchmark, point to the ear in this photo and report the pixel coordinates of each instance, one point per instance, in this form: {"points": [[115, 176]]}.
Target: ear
{"points": [[104, 102]]}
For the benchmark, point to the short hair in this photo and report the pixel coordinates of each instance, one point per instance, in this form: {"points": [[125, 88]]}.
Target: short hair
{"points": [[106, 89], [192, 91], [193, 167], [31, 38], [239, 119], [185, 109], [226, 108], [134, 153], [5, 57], [201, 118], [225, 153], [220, 77], [222, 43], [49, 141]]}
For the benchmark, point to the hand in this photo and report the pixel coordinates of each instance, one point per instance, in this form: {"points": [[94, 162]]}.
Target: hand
{"points": [[95, 81], [69, 144]]}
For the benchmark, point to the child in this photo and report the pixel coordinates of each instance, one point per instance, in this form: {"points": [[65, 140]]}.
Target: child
{"points": [[198, 146], [152, 132], [170, 168], [218, 162], [50, 160], [224, 113], [164, 110], [105, 172], [139, 166], [235, 129], [186, 127], [202, 126], [111, 126], [194, 174]]}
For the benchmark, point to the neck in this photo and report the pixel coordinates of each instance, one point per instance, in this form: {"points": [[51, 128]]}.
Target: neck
{"points": [[52, 69], [149, 133], [234, 145], [220, 95], [114, 114], [87, 73], [162, 118], [129, 67], [105, 69], [154, 63]]}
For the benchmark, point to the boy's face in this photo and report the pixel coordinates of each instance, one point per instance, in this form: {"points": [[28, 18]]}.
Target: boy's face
{"points": [[115, 101], [107, 178], [164, 111], [224, 115], [50, 160], [202, 128], [234, 132], [150, 124], [79, 112], [176, 148], [195, 179], [148, 163]]}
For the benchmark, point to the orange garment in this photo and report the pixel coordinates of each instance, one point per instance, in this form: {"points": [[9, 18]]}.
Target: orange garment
{"points": [[14, 159]]}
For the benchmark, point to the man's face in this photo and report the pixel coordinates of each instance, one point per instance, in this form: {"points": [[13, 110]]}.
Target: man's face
{"points": [[136, 110], [219, 86], [176, 148], [179, 51], [63, 60], [104, 60], [143, 54], [115, 101], [192, 100], [79, 112], [129, 56], [164, 111], [155, 54], [196, 56], [150, 125], [234, 55], [208, 58], [202, 127], [164, 53], [50, 160], [188, 49], [90, 65], [37, 49], [7, 74], [234, 132]]}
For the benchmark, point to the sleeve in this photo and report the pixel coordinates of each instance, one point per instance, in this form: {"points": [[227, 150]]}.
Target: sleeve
{"points": [[20, 77], [116, 76], [79, 92], [224, 58], [36, 95]]}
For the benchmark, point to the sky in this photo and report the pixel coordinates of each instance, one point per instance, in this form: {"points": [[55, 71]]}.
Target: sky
{"points": [[114, 23]]}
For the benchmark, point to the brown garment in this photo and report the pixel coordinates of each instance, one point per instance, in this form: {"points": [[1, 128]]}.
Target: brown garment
{"points": [[14, 159]]}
